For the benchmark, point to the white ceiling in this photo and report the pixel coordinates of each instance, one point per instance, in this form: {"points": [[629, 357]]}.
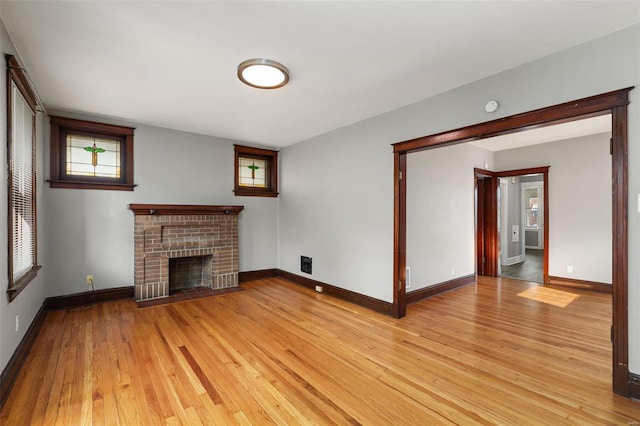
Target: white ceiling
{"points": [[554, 133], [173, 64]]}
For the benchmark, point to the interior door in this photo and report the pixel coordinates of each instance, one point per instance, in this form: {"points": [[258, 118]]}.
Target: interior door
{"points": [[487, 248]]}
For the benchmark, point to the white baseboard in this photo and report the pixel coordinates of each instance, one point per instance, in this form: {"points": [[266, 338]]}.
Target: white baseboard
{"points": [[514, 260]]}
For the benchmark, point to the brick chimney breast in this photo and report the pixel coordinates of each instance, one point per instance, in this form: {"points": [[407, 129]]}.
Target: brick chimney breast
{"points": [[169, 231]]}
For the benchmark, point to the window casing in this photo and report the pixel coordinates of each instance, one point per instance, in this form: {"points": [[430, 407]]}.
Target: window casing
{"points": [[88, 155], [21, 171], [256, 172]]}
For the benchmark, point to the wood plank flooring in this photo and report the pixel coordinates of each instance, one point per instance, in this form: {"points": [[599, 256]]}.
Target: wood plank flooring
{"points": [[499, 352]]}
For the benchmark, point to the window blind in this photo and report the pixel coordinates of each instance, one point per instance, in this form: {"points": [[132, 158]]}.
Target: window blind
{"points": [[22, 185]]}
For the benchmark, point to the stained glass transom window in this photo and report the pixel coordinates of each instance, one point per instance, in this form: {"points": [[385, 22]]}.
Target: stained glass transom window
{"points": [[90, 156], [256, 172], [253, 172]]}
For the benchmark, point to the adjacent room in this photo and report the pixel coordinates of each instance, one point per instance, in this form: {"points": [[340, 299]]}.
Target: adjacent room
{"points": [[391, 212]]}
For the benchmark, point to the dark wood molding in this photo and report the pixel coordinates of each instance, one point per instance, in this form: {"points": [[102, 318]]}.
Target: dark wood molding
{"points": [[580, 284], [634, 385], [614, 103], [61, 127], [91, 126], [271, 157], [544, 171], [70, 184], [486, 219], [522, 172], [568, 111], [11, 370], [620, 270], [443, 287], [545, 230], [483, 173], [400, 235], [16, 74], [257, 275], [87, 298], [178, 209], [21, 284], [350, 296]]}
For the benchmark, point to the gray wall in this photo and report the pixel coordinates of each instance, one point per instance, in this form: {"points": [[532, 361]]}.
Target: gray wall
{"points": [[440, 213], [27, 304], [91, 231], [579, 202], [337, 201]]}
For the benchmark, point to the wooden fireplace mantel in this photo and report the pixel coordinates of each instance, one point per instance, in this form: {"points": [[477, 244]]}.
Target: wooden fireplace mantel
{"points": [[178, 209]]}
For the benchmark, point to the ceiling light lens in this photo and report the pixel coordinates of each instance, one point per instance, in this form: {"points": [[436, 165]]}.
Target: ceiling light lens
{"points": [[263, 73]]}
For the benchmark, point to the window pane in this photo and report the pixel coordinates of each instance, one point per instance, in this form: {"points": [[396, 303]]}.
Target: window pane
{"points": [[252, 172], [89, 156], [531, 207]]}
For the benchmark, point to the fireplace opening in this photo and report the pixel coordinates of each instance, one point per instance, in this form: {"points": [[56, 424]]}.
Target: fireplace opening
{"points": [[190, 272]]}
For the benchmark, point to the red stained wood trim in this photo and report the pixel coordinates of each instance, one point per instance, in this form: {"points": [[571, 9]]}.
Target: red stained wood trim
{"points": [[521, 172], [87, 298], [544, 170], [271, 157], [400, 235], [443, 287], [581, 284], [11, 370], [19, 77], [615, 103], [545, 231], [60, 126], [620, 269], [92, 127], [593, 105], [178, 209], [350, 296], [70, 184], [257, 275], [634, 386]]}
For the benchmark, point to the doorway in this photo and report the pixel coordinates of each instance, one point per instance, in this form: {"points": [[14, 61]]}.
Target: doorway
{"points": [[511, 218], [521, 206], [614, 103]]}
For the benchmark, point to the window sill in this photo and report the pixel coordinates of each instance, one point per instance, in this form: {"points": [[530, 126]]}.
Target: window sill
{"points": [[254, 193], [21, 284], [90, 185]]}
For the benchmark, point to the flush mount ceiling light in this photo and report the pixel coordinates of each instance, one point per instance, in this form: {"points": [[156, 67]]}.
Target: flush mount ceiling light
{"points": [[263, 73]]}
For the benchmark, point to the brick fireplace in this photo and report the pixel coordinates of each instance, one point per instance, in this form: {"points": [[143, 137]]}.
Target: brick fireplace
{"points": [[199, 242]]}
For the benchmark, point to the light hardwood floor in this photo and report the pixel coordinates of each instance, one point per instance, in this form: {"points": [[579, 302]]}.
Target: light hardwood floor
{"points": [[499, 352]]}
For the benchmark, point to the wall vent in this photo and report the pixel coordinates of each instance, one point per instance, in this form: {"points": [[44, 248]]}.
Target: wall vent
{"points": [[305, 264]]}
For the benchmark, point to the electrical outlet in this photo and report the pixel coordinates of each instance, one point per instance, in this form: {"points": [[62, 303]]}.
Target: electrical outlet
{"points": [[453, 271], [89, 279], [407, 277], [17, 323], [570, 269], [319, 288]]}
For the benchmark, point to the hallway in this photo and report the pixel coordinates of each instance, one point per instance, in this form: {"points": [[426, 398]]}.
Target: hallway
{"points": [[529, 270]]}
